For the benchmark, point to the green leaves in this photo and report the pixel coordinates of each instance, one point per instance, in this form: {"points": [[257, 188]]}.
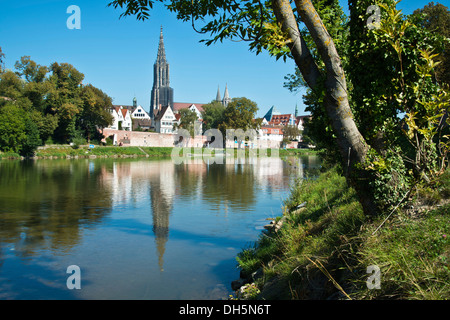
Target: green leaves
{"points": [[40, 103], [188, 118], [276, 41], [12, 128], [239, 114], [212, 115], [436, 19], [252, 21], [30, 70], [138, 8], [397, 99]]}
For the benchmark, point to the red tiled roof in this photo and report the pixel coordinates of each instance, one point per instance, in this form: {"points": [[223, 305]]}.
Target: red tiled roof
{"points": [[280, 119], [272, 130], [184, 105]]}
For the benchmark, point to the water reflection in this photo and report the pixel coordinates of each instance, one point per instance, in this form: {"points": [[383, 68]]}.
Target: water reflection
{"points": [[44, 204], [48, 205]]}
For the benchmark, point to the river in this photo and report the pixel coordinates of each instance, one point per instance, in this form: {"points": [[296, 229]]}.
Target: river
{"points": [[134, 228]]}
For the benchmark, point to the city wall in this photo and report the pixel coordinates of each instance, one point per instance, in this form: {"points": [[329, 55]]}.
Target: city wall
{"points": [[148, 139], [152, 139]]}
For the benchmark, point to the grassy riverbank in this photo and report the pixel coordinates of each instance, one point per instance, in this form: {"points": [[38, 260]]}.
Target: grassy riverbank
{"points": [[323, 251], [105, 152], [56, 152], [66, 151]]}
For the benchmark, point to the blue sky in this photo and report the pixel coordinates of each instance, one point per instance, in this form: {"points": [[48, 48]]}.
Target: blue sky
{"points": [[117, 56]]}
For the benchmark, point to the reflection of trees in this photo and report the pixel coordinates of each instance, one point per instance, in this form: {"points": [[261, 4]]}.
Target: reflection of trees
{"points": [[230, 184], [188, 178], [44, 203]]}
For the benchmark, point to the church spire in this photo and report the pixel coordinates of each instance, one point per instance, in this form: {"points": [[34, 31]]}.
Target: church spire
{"points": [[162, 93], [161, 57], [226, 97], [218, 98]]}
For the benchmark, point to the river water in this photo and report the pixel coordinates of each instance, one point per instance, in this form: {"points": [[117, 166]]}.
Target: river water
{"points": [[134, 228]]}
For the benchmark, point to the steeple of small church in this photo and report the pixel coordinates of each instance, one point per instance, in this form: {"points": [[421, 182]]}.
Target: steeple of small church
{"points": [[218, 98], [226, 97], [162, 93]]}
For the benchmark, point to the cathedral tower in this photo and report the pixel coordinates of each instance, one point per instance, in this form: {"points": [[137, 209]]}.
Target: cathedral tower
{"points": [[162, 93]]}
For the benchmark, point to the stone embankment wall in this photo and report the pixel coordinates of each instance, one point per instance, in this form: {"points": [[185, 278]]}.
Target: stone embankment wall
{"points": [[152, 139], [149, 139]]}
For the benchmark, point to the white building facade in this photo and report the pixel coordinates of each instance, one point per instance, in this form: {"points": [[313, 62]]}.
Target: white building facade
{"points": [[121, 118], [165, 120]]}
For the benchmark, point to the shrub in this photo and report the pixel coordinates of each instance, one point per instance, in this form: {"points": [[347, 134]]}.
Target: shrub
{"points": [[78, 141]]}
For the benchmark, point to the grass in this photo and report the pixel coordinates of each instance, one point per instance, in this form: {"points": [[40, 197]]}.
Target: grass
{"points": [[9, 155], [64, 151], [323, 251], [413, 255], [297, 151], [158, 151], [100, 151]]}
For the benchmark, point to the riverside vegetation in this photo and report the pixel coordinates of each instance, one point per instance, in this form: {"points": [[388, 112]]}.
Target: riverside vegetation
{"points": [[83, 151], [322, 250], [66, 151]]}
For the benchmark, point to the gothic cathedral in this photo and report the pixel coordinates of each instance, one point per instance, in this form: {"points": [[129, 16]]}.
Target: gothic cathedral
{"points": [[162, 93]]}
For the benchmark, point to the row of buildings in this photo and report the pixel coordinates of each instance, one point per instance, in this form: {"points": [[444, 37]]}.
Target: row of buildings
{"points": [[135, 118], [164, 113]]}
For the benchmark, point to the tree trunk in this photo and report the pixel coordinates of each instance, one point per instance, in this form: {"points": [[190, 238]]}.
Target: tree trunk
{"points": [[351, 143]]}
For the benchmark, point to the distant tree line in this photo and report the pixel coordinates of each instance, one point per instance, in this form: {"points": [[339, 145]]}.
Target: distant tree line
{"points": [[43, 105]]}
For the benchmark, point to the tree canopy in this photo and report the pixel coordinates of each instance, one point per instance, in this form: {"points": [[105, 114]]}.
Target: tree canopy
{"points": [[187, 121], [212, 115], [239, 114], [42, 104], [436, 19]]}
